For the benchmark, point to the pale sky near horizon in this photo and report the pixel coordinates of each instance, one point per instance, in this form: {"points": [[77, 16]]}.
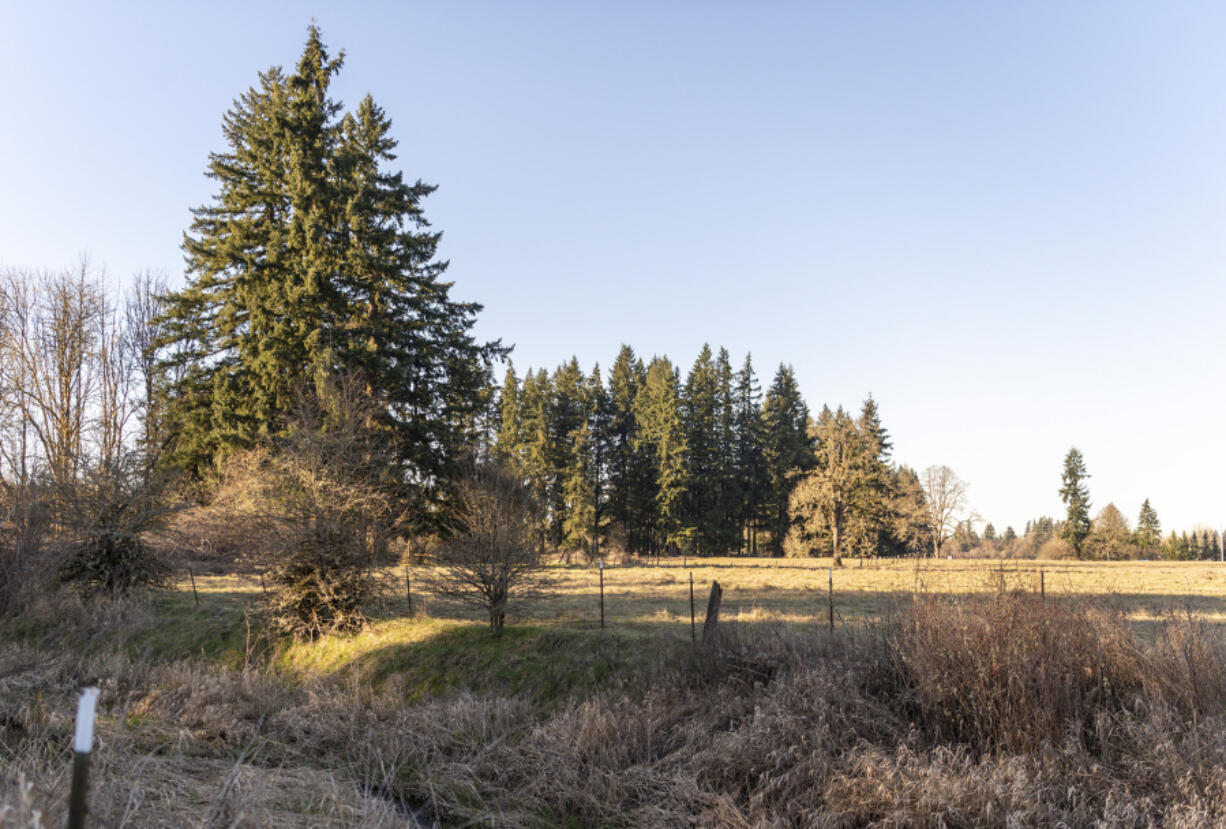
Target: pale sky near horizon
{"points": [[1005, 221]]}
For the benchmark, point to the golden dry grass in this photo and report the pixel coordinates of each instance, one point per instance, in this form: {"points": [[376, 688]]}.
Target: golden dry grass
{"points": [[796, 590]]}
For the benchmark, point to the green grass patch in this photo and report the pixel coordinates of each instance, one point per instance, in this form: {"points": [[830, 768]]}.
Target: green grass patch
{"points": [[160, 627], [548, 664], [215, 631]]}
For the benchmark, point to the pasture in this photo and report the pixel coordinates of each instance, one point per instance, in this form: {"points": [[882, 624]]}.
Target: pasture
{"points": [[639, 593]]}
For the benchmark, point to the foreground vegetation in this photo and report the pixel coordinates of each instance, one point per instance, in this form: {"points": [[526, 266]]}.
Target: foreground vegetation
{"points": [[963, 705]]}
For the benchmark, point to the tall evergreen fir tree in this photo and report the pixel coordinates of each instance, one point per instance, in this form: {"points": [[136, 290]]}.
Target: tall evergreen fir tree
{"points": [[870, 523], [727, 535], [584, 485], [750, 464], [908, 531], [701, 501], [535, 451], [579, 492], [599, 417], [631, 481], [1149, 530], [509, 440], [568, 415], [661, 435], [1076, 498], [787, 448], [313, 261]]}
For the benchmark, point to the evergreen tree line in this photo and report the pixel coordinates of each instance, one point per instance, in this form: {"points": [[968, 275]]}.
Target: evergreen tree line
{"points": [[1110, 537], [645, 462]]}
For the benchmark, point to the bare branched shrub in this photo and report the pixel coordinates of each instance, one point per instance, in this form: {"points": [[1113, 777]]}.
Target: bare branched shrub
{"points": [[493, 554], [320, 504], [107, 516]]}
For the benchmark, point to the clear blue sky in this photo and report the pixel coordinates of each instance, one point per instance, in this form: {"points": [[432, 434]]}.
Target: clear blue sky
{"points": [[1005, 221]]}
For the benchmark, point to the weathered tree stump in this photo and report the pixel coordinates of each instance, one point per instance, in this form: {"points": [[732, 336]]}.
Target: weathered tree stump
{"points": [[709, 627]]}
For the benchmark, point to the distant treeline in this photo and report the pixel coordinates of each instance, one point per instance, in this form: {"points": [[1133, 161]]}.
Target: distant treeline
{"points": [[645, 462], [1110, 537]]}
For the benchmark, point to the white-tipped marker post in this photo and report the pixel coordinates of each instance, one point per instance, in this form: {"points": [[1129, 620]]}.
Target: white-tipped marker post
{"points": [[82, 746]]}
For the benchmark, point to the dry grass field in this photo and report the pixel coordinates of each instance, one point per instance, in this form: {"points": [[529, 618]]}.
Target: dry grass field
{"points": [[950, 694], [797, 590]]}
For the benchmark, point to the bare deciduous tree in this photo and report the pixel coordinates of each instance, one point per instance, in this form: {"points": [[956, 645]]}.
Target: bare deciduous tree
{"points": [[25, 509], [493, 556], [61, 366], [144, 328], [945, 497], [66, 403]]}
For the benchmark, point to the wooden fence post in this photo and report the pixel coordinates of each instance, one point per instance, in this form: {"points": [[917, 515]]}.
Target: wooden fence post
{"points": [[712, 621], [832, 599], [1042, 587], [195, 595], [408, 589], [693, 633], [602, 594]]}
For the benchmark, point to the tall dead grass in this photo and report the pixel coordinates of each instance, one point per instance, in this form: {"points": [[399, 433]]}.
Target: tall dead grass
{"points": [[992, 711]]}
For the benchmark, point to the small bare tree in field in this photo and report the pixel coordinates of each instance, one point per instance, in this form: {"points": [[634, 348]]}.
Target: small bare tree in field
{"points": [[493, 555], [945, 497]]}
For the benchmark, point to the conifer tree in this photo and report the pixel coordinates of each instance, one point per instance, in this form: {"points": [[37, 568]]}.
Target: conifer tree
{"points": [[584, 486], [599, 417], [509, 440], [568, 414], [726, 537], [750, 464], [787, 448], [631, 482], [870, 522], [1149, 530], [313, 261], [579, 521], [661, 436], [701, 502], [535, 407], [908, 529], [1076, 497]]}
